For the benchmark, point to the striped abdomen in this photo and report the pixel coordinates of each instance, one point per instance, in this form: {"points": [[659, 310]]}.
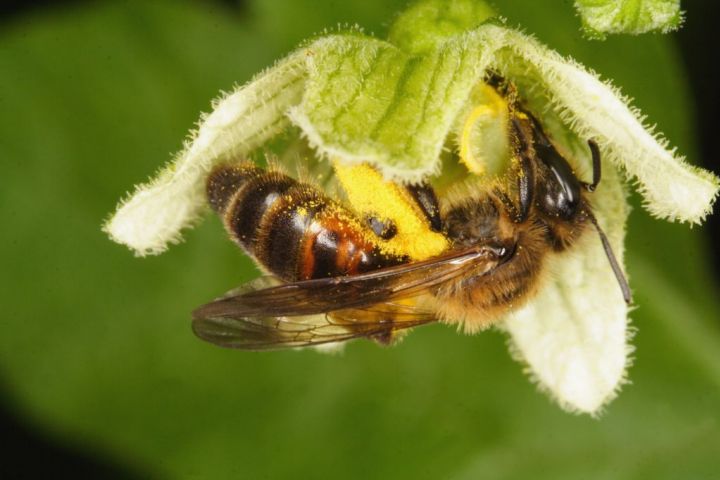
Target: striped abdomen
{"points": [[291, 228]]}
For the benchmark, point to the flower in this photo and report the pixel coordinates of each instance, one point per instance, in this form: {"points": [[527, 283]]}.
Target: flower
{"points": [[397, 105]]}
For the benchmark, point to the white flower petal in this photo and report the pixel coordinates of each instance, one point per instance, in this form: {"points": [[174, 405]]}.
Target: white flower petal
{"points": [[241, 121], [573, 336]]}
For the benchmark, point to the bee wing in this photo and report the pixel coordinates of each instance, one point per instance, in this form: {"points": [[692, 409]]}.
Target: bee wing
{"points": [[379, 322], [311, 297]]}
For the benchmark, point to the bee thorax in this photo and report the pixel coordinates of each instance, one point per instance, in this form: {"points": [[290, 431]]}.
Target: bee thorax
{"points": [[478, 221]]}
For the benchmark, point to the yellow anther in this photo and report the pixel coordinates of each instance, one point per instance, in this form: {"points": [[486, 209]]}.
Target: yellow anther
{"points": [[466, 152], [492, 106]]}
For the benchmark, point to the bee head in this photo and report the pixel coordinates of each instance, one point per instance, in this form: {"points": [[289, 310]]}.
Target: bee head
{"points": [[558, 192]]}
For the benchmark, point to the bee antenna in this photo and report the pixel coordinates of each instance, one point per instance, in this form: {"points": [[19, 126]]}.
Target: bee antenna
{"points": [[627, 294]]}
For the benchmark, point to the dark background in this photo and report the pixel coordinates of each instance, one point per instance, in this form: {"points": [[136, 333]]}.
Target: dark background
{"points": [[28, 452]]}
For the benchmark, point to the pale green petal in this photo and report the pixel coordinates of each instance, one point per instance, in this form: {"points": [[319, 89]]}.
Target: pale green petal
{"points": [[629, 16], [426, 24], [157, 212], [369, 101]]}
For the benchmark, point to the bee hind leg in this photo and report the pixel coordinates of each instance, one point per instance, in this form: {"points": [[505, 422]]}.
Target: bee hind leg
{"points": [[425, 198]]}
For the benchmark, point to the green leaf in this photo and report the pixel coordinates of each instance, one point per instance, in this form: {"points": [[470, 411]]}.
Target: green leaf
{"points": [[629, 16]]}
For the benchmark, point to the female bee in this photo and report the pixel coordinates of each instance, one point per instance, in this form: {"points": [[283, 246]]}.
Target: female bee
{"points": [[339, 283]]}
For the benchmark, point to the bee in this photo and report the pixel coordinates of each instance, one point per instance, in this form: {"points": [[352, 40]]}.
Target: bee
{"points": [[337, 283]]}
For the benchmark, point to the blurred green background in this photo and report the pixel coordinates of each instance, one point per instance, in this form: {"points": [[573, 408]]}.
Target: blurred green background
{"points": [[96, 353]]}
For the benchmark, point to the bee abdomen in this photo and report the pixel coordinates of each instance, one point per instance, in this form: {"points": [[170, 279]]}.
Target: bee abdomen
{"points": [[225, 181], [291, 228], [283, 231]]}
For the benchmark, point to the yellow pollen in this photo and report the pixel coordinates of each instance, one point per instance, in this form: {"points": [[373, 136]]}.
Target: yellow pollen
{"points": [[371, 195]]}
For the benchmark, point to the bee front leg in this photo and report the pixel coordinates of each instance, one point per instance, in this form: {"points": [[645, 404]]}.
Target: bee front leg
{"points": [[525, 153], [509, 205], [595, 151]]}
